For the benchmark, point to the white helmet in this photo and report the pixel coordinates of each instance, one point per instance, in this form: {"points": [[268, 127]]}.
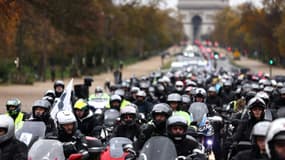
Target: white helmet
{"points": [[129, 109], [141, 94], [65, 117], [179, 85], [201, 92], [263, 95], [256, 101], [135, 89], [174, 97], [260, 129], [120, 92], [7, 123], [273, 134], [115, 98]]}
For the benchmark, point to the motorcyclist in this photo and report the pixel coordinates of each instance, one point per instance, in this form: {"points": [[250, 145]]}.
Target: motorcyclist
{"points": [[143, 105], [200, 96], [226, 93], [115, 102], [256, 107], [275, 140], [50, 96], [73, 140], [185, 102], [87, 122], [185, 145], [99, 94], [174, 101], [258, 135], [157, 126], [133, 93], [58, 87], [280, 101], [13, 107], [212, 98], [41, 112], [121, 93], [179, 87], [10, 147], [128, 126]]}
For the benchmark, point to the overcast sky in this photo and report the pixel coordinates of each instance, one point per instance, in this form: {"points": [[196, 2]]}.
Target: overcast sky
{"points": [[173, 3]]}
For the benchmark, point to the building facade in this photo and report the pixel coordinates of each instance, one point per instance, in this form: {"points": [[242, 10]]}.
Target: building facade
{"points": [[198, 16]]}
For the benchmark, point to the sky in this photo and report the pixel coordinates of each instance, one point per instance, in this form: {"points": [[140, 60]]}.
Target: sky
{"points": [[173, 3]]}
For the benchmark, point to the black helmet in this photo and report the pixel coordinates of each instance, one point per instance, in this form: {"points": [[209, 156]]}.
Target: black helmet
{"points": [[58, 83], [42, 103], [176, 121]]}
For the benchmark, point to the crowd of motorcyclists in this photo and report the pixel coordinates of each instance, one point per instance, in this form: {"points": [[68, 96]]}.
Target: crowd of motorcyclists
{"points": [[244, 112]]}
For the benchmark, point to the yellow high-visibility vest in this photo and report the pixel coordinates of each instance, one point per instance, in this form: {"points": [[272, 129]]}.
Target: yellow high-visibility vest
{"points": [[19, 121]]}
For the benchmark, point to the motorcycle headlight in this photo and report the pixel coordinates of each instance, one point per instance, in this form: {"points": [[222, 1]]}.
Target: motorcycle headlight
{"points": [[209, 142]]}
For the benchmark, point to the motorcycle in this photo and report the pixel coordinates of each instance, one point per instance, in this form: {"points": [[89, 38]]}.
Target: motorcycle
{"points": [[47, 149], [205, 131], [110, 118], [119, 148], [197, 111], [158, 148], [31, 132]]}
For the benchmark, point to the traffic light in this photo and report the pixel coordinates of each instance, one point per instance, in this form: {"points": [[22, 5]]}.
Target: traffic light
{"points": [[271, 61]]}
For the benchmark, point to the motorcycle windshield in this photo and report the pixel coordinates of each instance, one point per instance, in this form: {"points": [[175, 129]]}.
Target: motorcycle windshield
{"points": [[198, 111], [98, 103], [158, 148], [110, 117], [30, 132], [116, 146], [46, 149]]}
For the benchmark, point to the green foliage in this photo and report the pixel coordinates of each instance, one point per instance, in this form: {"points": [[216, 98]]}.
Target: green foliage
{"points": [[254, 29], [64, 34]]}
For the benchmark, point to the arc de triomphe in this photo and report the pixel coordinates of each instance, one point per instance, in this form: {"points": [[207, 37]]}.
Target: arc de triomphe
{"points": [[198, 16]]}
